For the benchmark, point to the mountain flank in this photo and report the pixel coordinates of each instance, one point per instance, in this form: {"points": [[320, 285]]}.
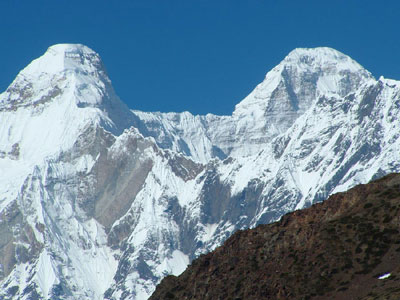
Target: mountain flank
{"points": [[347, 247]]}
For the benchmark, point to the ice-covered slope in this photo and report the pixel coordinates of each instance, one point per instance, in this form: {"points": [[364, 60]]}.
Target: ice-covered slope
{"points": [[97, 201]]}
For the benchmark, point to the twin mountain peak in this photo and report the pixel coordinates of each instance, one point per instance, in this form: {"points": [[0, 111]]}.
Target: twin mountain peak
{"points": [[331, 70], [101, 202], [75, 75]]}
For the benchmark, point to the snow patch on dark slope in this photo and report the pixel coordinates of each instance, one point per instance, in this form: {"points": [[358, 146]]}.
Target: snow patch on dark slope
{"points": [[97, 201]]}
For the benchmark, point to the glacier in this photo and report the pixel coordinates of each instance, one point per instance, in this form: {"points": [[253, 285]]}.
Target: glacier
{"points": [[98, 201]]}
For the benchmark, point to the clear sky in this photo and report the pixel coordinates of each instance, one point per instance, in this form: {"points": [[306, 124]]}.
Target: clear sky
{"points": [[197, 55]]}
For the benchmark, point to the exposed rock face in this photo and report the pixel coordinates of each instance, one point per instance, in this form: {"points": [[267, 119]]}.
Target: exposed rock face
{"points": [[97, 201], [343, 248]]}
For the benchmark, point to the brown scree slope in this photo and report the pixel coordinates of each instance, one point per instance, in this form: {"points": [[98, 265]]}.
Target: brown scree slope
{"points": [[333, 250]]}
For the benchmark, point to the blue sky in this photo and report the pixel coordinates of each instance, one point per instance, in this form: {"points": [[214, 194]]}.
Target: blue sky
{"points": [[201, 56]]}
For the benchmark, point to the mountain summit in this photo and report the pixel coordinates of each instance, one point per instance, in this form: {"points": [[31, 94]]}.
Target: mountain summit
{"points": [[290, 89], [64, 58], [55, 97], [101, 202], [62, 66], [301, 77]]}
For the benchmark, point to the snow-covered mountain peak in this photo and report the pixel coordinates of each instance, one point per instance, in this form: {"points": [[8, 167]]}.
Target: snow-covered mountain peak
{"points": [[331, 71], [54, 99], [293, 86], [288, 91], [63, 58], [320, 57], [68, 77], [63, 68], [328, 70]]}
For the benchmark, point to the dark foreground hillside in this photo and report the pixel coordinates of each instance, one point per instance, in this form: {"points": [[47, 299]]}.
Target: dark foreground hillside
{"points": [[337, 249]]}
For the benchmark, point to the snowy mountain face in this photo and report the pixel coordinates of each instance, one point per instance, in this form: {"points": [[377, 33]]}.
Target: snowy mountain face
{"points": [[100, 202], [288, 91]]}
